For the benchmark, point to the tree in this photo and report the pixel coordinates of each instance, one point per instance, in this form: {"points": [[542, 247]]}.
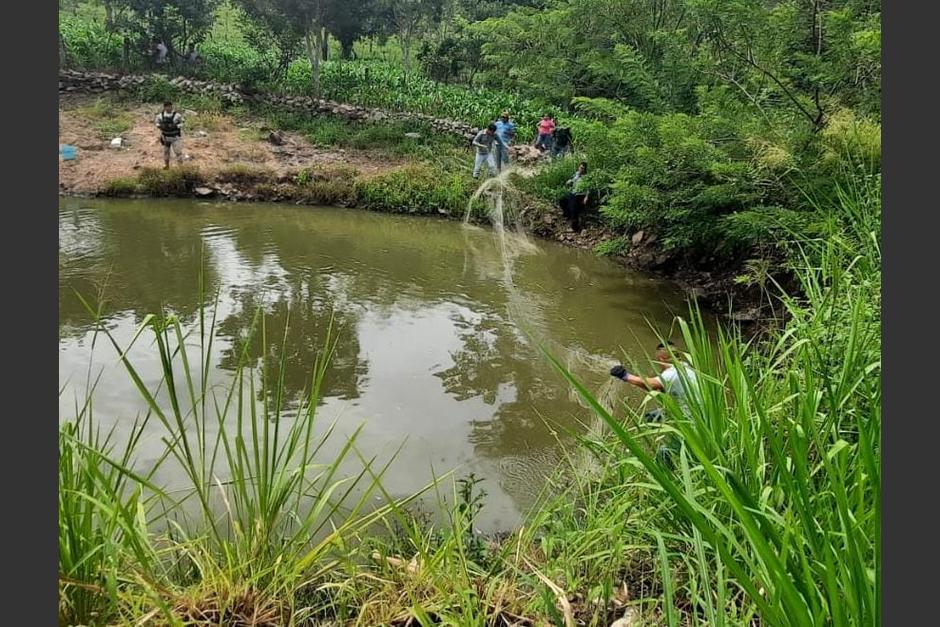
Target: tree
{"points": [[479, 10], [455, 57], [178, 23], [637, 51], [348, 22], [271, 32], [301, 19], [409, 18]]}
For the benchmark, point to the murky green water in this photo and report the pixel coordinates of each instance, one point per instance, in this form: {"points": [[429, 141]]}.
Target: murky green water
{"points": [[432, 347]]}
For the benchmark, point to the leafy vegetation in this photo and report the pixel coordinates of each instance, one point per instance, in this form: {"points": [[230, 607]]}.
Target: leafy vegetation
{"points": [[710, 124], [744, 135], [124, 186], [394, 137], [417, 189], [771, 514], [107, 120], [388, 86], [178, 181]]}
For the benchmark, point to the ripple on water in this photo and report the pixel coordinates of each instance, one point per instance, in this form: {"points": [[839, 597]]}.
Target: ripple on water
{"points": [[217, 231], [81, 238], [524, 475]]}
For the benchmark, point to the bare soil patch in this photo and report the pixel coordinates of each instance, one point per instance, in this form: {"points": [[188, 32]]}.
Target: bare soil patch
{"points": [[212, 142]]}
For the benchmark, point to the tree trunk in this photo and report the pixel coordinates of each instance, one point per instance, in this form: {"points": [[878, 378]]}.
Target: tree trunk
{"points": [[63, 56], [109, 15], [406, 51], [313, 53], [325, 46]]}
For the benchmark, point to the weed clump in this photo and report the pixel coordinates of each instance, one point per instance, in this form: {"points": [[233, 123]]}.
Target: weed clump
{"points": [[416, 189], [107, 120], [178, 181], [244, 174], [122, 187]]}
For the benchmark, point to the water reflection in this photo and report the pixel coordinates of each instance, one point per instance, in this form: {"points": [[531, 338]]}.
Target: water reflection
{"points": [[432, 346]]}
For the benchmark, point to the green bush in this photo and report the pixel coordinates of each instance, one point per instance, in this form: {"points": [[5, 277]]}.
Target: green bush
{"points": [[88, 45], [237, 62], [613, 247], [336, 192], [762, 226], [308, 176], [549, 181], [416, 189], [178, 181], [121, 187], [157, 88], [669, 176]]}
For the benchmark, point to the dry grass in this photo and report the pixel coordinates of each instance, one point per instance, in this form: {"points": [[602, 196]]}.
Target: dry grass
{"points": [[210, 122], [232, 608], [107, 119], [250, 153], [245, 174]]}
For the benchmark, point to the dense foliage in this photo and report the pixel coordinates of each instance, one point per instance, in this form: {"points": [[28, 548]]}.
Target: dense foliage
{"points": [[710, 123], [729, 129]]}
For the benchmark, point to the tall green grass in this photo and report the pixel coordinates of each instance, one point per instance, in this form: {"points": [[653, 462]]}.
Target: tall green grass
{"points": [[259, 518], [771, 515], [774, 510]]}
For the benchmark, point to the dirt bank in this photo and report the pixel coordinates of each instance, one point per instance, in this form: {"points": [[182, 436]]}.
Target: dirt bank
{"points": [[213, 142]]}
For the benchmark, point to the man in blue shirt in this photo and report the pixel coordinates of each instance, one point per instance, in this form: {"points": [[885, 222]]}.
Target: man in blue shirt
{"points": [[506, 131]]}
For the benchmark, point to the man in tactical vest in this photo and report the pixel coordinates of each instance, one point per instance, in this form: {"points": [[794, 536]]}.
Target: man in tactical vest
{"points": [[170, 124]]}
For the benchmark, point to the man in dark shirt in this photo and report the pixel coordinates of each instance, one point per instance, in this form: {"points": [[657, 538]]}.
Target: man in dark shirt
{"points": [[562, 142]]}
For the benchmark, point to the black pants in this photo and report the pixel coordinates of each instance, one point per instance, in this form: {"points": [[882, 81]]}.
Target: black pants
{"points": [[572, 205]]}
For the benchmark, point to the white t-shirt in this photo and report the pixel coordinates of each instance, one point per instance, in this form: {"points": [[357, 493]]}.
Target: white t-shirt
{"points": [[677, 388], [161, 52]]}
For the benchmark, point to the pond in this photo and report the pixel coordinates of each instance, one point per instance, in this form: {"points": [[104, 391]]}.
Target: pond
{"points": [[437, 350]]}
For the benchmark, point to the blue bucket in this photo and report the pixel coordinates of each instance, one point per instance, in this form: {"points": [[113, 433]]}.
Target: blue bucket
{"points": [[69, 153]]}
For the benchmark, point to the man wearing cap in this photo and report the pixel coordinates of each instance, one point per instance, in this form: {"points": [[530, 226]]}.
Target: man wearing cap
{"points": [[506, 131]]}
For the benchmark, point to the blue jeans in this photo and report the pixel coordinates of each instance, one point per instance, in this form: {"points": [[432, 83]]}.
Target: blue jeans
{"points": [[502, 157], [544, 142], [481, 158]]}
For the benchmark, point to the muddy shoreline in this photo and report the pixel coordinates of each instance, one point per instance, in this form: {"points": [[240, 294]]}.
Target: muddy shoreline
{"points": [[241, 160]]}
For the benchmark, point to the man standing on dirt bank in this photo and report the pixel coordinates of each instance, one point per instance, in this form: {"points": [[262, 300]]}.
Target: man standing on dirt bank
{"points": [[170, 124], [562, 142], [680, 386], [485, 142], [577, 198], [506, 131]]}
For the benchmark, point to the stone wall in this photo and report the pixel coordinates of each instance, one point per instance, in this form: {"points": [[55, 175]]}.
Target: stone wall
{"points": [[71, 81]]}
